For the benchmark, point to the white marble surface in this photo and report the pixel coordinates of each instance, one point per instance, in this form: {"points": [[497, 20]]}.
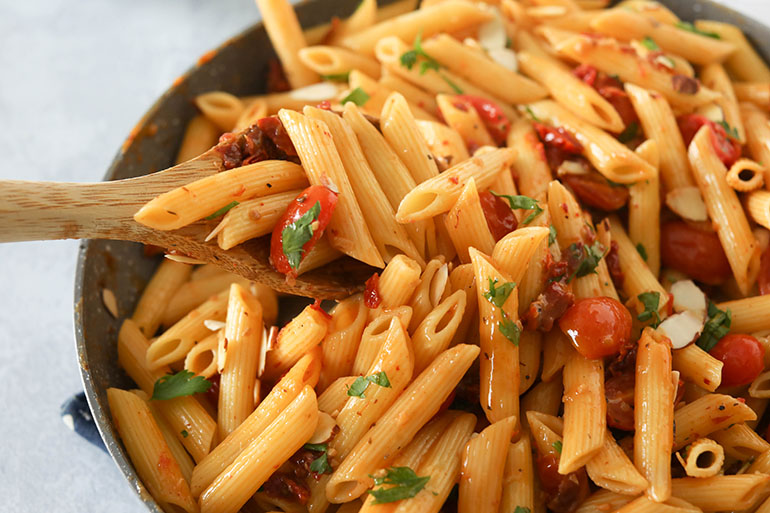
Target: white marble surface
{"points": [[85, 71]]}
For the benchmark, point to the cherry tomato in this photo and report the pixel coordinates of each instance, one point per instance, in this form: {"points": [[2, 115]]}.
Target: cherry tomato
{"points": [[563, 493], [327, 199], [743, 358], [558, 137], [596, 191], [586, 73], [695, 252], [728, 149], [597, 326], [619, 99], [372, 298], [496, 122], [619, 391], [498, 213], [763, 279]]}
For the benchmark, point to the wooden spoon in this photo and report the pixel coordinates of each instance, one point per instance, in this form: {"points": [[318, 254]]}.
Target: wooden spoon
{"points": [[50, 210]]}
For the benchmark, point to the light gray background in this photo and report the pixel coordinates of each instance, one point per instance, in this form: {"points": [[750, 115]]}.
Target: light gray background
{"points": [[75, 76]]}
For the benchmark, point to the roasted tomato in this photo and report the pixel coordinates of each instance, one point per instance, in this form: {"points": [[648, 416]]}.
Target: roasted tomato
{"points": [[563, 493], [558, 137], [597, 326], [743, 358], [596, 191], [619, 391], [300, 227], [695, 252], [496, 122], [498, 213], [728, 149]]}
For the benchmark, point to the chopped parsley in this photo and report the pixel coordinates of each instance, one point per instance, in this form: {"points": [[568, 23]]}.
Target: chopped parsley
{"points": [[650, 44], [650, 301], [689, 27], [588, 258], [557, 445], [361, 383], [409, 59], [454, 86], [357, 96], [222, 211], [498, 296], [337, 77], [185, 434], [522, 509], [524, 203], [509, 329], [406, 484], [731, 130], [531, 114], [295, 235], [630, 133], [321, 464], [551, 235], [182, 383], [717, 326], [642, 251]]}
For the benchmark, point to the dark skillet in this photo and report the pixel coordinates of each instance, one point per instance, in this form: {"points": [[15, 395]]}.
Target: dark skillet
{"points": [[239, 66]]}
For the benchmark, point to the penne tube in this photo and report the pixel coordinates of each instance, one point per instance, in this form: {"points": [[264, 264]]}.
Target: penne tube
{"points": [[611, 469], [556, 351], [181, 456], [519, 483], [202, 358], [644, 217], [611, 158], [300, 335], [481, 475], [514, 251], [467, 225], [530, 165], [378, 94], [146, 447], [332, 61], [725, 210], [253, 218], [572, 93], [273, 446], [196, 292], [253, 111], [389, 237], [165, 282], [648, 505], [608, 55], [415, 406], [398, 281], [365, 15], [339, 346], [221, 108], [710, 413], [757, 93], [199, 135], [530, 346], [746, 175], [744, 62], [286, 35], [413, 94], [715, 77], [438, 194], [703, 458], [757, 126], [374, 336], [447, 16], [602, 501], [481, 71], [444, 143], [741, 442], [698, 367], [462, 117], [239, 359], [304, 373], [462, 278], [194, 201], [626, 25], [176, 342], [499, 334], [322, 163], [545, 397], [434, 334], [737, 492], [333, 399], [296, 99]]}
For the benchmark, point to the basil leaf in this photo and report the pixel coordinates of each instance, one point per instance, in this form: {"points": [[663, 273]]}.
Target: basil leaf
{"points": [[716, 327], [589, 258], [357, 96], [730, 130], [551, 235], [180, 384], [642, 251], [222, 211], [523, 203], [509, 329], [689, 27], [337, 77], [499, 295], [295, 235], [315, 447], [406, 484], [320, 465], [557, 445], [650, 301], [531, 114], [359, 386], [650, 44], [454, 86]]}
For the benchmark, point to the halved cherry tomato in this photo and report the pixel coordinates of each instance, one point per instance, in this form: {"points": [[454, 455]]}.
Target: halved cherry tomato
{"points": [[372, 298], [498, 213], [496, 122], [728, 149], [558, 137], [596, 191], [763, 279], [694, 251], [563, 492], [619, 391], [743, 358], [296, 209], [619, 99], [597, 326]]}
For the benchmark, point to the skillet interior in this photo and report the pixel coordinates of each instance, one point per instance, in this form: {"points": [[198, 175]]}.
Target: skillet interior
{"points": [[239, 66]]}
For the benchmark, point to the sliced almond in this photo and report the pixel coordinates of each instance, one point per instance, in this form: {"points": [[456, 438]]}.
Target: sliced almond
{"points": [[492, 34], [110, 302], [688, 297], [324, 429], [682, 328], [505, 57], [213, 325], [687, 202], [315, 93]]}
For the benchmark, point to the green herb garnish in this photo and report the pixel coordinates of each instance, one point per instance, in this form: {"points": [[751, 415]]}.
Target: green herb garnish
{"points": [[337, 77], [557, 445], [406, 484], [531, 114], [509, 329], [295, 235], [689, 27], [361, 383], [630, 133], [222, 211], [551, 234], [717, 326], [454, 86], [589, 258], [650, 301], [522, 509], [180, 384], [524, 203], [499, 295], [184, 433], [320, 465], [650, 44], [642, 251], [357, 96], [730, 130]]}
